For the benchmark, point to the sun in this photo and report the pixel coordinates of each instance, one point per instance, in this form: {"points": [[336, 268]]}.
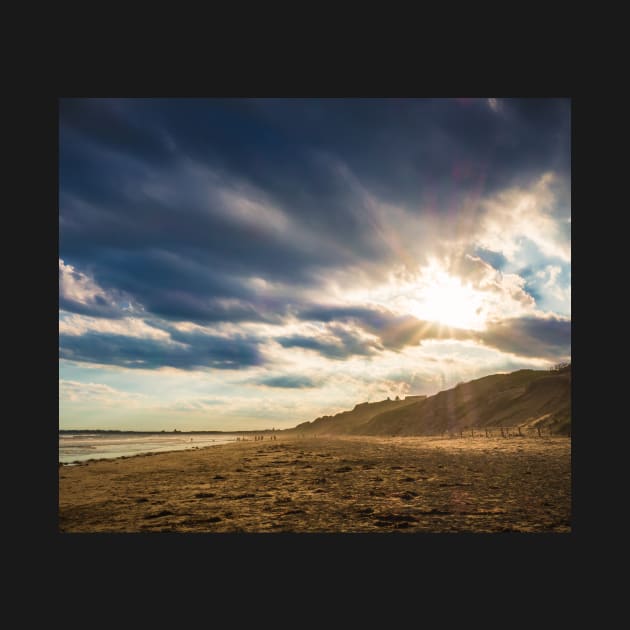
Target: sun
{"points": [[446, 300]]}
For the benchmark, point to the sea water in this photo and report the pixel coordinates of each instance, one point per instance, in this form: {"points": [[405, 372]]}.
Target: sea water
{"points": [[78, 447]]}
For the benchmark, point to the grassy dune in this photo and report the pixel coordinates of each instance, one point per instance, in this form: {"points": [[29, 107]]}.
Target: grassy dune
{"points": [[526, 398]]}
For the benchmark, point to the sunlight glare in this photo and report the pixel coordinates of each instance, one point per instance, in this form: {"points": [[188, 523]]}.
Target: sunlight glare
{"points": [[445, 300]]}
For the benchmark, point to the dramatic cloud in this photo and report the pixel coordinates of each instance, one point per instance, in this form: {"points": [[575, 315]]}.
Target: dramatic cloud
{"points": [[273, 188], [309, 246], [133, 352], [531, 337]]}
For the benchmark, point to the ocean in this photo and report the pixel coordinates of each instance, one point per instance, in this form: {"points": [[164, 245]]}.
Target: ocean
{"points": [[78, 447]]}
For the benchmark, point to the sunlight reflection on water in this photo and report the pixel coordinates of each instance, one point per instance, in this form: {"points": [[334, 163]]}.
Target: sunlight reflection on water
{"points": [[83, 446]]}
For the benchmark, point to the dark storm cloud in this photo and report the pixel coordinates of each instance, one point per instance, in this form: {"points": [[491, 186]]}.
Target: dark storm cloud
{"points": [[130, 212], [133, 352], [367, 317], [530, 336], [432, 151], [178, 305], [338, 343], [98, 307]]}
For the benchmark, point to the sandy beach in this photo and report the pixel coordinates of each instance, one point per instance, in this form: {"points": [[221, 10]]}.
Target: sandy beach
{"points": [[331, 485]]}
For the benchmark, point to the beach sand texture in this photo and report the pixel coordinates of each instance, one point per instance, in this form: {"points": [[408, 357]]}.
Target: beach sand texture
{"points": [[331, 485]]}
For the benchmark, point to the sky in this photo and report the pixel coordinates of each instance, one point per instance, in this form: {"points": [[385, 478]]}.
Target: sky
{"points": [[244, 264]]}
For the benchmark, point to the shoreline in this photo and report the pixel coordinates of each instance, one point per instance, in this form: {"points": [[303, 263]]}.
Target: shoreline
{"points": [[326, 484], [112, 446]]}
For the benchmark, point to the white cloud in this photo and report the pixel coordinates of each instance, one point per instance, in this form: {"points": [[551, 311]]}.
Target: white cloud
{"points": [[79, 287], [78, 392], [549, 274], [516, 214], [550, 279], [73, 324]]}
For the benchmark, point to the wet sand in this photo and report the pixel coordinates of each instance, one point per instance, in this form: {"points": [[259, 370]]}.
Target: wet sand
{"points": [[331, 485]]}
